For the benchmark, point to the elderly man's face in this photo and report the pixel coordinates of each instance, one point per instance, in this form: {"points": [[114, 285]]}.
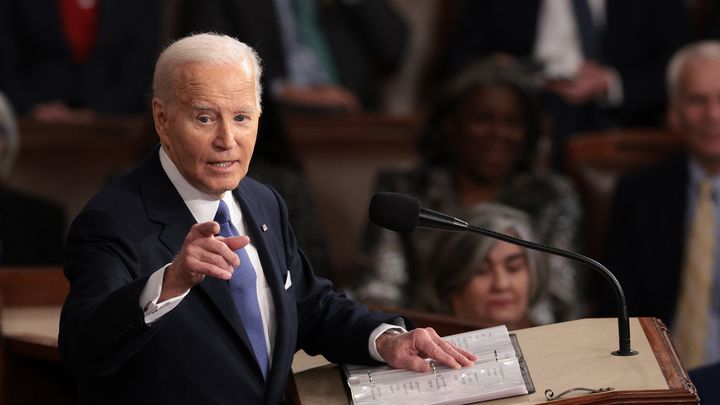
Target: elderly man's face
{"points": [[695, 112], [209, 127]]}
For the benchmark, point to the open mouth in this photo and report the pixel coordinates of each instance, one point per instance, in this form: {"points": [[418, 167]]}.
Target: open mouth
{"points": [[223, 165]]}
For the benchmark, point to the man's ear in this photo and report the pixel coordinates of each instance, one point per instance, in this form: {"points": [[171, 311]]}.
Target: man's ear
{"points": [[160, 118]]}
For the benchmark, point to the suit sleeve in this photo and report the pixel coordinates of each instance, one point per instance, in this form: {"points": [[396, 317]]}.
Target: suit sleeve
{"points": [[102, 324]]}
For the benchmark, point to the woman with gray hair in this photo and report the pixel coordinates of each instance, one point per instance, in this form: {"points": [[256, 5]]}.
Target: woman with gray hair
{"points": [[480, 279]]}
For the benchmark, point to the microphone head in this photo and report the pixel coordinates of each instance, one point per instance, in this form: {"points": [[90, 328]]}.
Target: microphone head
{"points": [[394, 211]]}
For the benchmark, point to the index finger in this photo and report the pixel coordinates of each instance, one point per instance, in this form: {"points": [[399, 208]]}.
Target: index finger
{"points": [[209, 228]]}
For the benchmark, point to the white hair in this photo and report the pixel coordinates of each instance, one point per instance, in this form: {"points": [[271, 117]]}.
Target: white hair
{"points": [[204, 48], [698, 50], [11, 137]]}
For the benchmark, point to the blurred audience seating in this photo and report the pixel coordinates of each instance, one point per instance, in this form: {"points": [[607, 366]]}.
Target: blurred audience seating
{"points": [[596, 160], [341, 156], [443, 324], [69, 163], [30, 369], [32, 286]]}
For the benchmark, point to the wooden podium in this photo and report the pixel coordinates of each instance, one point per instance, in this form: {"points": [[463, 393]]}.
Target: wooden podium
{"points": [[559, 356], [564, 356]]}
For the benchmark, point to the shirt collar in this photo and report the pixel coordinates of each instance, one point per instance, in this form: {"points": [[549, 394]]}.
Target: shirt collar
{"points": [[697, 174]]}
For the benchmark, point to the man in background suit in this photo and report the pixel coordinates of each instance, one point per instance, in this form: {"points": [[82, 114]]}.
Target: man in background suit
{"points": [[650, 238], [322, 56], [602, 61], [65, 60], [162, 309]]}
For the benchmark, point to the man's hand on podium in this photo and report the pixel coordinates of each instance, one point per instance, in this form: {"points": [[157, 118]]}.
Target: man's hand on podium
{"points": [[412, 350]]}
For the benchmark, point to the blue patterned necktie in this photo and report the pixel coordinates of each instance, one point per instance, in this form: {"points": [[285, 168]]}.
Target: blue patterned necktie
{"points": [[244, 293]]}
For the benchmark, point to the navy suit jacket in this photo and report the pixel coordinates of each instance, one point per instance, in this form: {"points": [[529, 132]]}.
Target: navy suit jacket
{"points": [[199, 352], [646, 237]]}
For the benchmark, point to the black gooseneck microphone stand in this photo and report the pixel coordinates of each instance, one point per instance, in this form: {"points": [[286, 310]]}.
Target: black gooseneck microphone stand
{"points": [[402, 213]]}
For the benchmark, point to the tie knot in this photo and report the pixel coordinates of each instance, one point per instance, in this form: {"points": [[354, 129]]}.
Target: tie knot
{"points": [[222, 215]]}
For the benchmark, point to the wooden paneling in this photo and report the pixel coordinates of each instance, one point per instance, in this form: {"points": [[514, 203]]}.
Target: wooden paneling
{"points": [[69, 163], [341, 156], [32, 286]]}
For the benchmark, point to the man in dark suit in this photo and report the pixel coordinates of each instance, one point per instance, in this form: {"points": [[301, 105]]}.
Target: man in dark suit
{"points": [[363, 39], [167, 303], [651, 237], [64, 60]]}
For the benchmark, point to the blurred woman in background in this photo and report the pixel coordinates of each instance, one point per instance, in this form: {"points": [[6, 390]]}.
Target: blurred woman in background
{"points": [[483, 280]]}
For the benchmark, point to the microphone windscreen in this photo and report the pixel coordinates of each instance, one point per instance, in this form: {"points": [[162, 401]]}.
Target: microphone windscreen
{"points": [[394, 211]]}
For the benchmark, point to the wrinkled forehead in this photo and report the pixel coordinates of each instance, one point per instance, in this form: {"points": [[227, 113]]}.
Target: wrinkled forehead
{"points": [[203, 79]]}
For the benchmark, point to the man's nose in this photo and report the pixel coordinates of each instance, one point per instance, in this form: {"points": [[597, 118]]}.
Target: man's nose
{"points": [[224, 136]]}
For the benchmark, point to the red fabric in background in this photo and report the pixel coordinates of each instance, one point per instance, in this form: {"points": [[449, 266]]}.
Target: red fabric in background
{"points": [[79, 23]]}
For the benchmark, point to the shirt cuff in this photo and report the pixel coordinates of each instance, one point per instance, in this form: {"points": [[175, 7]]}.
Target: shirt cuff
{"points": [[151, 294], [372, 348], [614, 90]]}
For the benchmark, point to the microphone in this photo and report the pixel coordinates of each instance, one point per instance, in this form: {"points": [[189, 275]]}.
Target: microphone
{"points": [[403, 213]]}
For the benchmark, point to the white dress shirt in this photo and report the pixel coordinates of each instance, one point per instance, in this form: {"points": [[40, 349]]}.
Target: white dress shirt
{"points": [[557, 46]]}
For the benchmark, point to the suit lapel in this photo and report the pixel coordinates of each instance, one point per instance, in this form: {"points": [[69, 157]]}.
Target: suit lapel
{"points": [[165, 206]]}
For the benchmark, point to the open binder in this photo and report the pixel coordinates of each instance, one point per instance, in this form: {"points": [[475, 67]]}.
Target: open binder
{"points": [[561, 357], [499, 372]]}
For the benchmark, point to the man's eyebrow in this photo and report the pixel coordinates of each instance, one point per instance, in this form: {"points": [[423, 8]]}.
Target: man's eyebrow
{"points": [[202, 106], [246, 109]]}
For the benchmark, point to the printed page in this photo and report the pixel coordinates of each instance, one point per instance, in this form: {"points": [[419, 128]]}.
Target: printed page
{"points": [[496, 374]]}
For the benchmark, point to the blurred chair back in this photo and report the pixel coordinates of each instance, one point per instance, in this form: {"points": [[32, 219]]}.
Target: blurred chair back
{"points": [[595, 162]]}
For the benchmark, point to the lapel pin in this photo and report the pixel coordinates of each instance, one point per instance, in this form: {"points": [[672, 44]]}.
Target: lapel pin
{"points": [[264, 227]]}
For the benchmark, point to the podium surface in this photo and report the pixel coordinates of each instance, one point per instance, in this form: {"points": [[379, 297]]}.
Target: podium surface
{"points": [[563, 356]]}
